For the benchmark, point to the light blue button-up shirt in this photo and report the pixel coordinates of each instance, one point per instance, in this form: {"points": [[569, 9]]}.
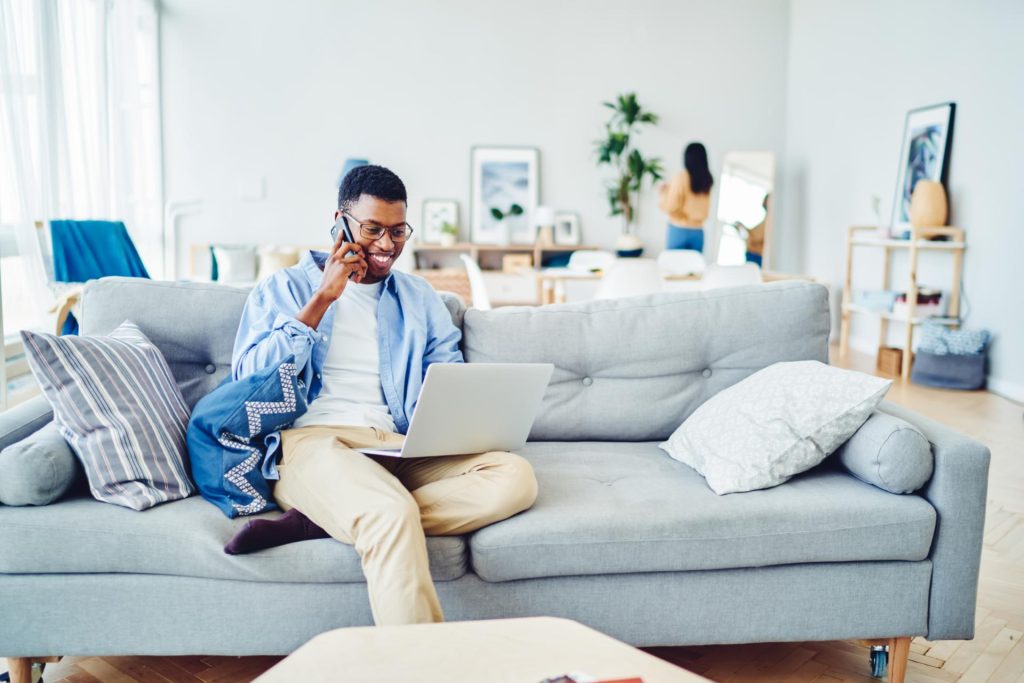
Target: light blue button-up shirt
{"points": [[414, 330]]}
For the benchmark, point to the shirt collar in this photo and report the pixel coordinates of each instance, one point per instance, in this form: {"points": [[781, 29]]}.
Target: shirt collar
{"points": [[312, 264]]}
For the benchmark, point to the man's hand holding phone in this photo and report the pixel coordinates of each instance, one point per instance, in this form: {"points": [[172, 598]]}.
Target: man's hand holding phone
{"points": [[346, 261]]}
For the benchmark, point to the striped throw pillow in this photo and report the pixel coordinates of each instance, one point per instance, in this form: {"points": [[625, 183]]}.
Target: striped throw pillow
{"points": [[117, 404]]}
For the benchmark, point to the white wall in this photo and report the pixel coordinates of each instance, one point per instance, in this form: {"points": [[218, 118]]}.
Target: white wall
{"points": [[855, 69], [286, 91]]}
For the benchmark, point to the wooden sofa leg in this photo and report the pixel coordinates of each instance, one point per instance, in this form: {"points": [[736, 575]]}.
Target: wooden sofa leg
{"points": [[899, 653], [20, 669]]}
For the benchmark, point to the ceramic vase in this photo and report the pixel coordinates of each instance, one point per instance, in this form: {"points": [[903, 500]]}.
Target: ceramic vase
{"points": [[928, 207]]}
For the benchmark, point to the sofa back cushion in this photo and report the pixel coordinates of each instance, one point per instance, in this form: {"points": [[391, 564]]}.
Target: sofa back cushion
{"points": [[634, 369], [193, 324]]}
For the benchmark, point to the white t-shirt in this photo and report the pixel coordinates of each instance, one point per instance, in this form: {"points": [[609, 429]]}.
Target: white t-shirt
{"points": [[352, 395]]}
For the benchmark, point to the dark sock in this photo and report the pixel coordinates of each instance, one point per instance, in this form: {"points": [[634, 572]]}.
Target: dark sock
{"points": [[260, 534]]}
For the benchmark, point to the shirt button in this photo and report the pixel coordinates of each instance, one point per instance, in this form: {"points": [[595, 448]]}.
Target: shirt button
{"points": [[705, 373], [587, 381], [210, 368], [327, 337]]}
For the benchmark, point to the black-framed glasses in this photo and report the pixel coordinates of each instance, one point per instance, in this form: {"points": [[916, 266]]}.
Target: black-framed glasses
{"points": [[398, 233]]}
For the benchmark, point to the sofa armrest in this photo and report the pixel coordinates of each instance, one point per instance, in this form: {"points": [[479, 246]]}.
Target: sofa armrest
{"points": [[24, 419], [958, 492]]}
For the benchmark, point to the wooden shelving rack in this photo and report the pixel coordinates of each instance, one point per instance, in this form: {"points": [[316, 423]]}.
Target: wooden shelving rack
{"points": [[477, 251], [919, 241]]}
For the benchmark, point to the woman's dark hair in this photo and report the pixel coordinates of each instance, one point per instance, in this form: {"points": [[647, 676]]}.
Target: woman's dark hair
{"points": [[375, 181], [695, 161]]}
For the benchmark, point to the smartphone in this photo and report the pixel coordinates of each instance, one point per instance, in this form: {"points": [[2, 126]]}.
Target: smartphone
{"points": [[341, 226]]}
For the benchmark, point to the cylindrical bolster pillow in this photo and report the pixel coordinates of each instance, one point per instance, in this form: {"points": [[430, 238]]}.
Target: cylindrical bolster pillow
{"points": [[889, 453], [37, 470]]}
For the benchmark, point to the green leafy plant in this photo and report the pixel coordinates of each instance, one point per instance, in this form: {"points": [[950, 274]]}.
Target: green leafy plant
{"points": [[450, 229], [616, 150], [499, 215]]}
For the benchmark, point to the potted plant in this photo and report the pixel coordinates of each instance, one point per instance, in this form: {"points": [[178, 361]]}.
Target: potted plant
{"points": [[449, 234], [504, 236], [616, 149]]}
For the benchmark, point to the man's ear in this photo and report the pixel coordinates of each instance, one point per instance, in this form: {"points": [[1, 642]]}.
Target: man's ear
{"points": [[337, 215]]}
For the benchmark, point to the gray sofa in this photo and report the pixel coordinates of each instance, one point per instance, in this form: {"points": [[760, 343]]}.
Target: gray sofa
{"points": [[621, 538]]}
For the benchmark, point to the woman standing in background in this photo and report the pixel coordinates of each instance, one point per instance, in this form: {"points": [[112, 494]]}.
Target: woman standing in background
{"points": [[686, 200]]}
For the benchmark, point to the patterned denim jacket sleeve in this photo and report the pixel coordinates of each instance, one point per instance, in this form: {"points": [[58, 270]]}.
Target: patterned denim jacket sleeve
{"points": [[228, 431]]}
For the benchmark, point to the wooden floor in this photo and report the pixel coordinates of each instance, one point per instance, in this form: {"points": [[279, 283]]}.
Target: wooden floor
{"points": [[996, 655]]}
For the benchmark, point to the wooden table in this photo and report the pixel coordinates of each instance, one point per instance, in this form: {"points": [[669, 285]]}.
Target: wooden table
{"points": [[519, 650]]}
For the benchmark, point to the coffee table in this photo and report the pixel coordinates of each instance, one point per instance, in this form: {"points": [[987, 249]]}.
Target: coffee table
{"points": [[521, 650]]}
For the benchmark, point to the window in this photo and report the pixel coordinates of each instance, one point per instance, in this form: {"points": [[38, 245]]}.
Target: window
{"points": [[80, 134]]}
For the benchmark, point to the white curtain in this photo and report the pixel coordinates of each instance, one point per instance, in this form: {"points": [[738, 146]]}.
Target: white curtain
{"points": [[79, 124]]}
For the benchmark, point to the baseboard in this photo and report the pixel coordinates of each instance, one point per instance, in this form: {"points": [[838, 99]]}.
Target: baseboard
{"points": [[1006, 389]]}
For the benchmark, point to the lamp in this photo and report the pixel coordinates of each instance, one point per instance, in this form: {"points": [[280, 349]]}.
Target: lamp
{"points": [[544, 218]]}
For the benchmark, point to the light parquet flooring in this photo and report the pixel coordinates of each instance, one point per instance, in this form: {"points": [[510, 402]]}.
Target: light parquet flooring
{"points": [[996, 655]]}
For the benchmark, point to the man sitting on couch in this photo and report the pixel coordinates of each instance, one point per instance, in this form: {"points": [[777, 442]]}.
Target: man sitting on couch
{"points": [[370, 340]]}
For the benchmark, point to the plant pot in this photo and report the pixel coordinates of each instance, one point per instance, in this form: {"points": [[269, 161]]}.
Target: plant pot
{"points": [[628, 245], [448, 239], [503, 234]]}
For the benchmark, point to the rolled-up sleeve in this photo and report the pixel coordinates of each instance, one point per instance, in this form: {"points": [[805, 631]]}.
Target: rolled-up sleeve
{"points": [[269, 332]]}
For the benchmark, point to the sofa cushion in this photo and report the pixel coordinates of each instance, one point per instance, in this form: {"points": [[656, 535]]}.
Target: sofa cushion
{"points": [[119, 408], [39, 469], [778, 422], [606, 508], [198, 351], [890, 453], [184, 538], [634, 369]]}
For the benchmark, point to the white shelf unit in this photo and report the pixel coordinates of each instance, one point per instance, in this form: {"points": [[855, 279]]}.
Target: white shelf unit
{"points": [[921, 239]]}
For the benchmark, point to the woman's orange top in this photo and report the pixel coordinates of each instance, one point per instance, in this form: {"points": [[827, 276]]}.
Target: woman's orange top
{"points": [[684, 207]]}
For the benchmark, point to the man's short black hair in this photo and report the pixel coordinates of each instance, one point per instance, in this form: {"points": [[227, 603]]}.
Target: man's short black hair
{"points": [[375, 181]]}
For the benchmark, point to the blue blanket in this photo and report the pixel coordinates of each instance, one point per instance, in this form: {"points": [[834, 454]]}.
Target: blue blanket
{"points": [[86, 250], [233, 430]]}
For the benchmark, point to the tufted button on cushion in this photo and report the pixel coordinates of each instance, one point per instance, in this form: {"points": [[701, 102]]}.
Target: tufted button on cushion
{"points": [[705, 373], [210, 368], [587, 381]]}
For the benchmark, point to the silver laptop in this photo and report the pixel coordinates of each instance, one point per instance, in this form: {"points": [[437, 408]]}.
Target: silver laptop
{"points": [[473, 408]]}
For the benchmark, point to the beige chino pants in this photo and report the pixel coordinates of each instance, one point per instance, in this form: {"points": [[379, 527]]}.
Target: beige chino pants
{"points": [[385, 507]]}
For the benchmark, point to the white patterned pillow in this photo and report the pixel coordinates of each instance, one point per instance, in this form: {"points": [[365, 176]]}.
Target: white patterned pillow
{"points": [[780, 421]]}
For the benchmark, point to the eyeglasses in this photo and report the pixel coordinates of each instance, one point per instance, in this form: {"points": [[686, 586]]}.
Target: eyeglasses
{"points": [[398, 233]]}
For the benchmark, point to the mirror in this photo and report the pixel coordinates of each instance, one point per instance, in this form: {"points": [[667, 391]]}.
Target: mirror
{"points": [[745, 208]]}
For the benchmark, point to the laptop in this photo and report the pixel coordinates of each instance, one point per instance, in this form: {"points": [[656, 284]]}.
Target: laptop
{"points": [[467, 408]]}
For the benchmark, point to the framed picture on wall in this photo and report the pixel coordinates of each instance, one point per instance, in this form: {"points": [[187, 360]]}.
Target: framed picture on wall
{"points": [[503, 176], [436, 214], [927, 140], [567, 228]]}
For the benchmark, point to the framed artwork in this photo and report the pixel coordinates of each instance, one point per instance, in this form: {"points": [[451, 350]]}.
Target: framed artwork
{"points": [[567, 228], [503, 176], [927, 140], [436, 213]]}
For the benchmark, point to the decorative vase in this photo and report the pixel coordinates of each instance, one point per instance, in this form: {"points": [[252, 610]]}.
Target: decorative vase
{"points": [[628, 245], [447, 239], [503, 234], [928, 207]]}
